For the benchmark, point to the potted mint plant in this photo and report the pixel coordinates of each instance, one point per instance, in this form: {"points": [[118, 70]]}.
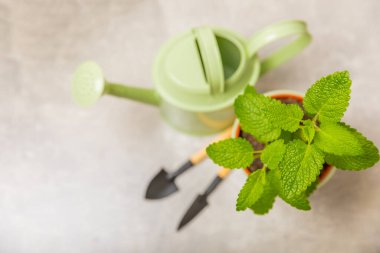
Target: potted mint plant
{"points": [[289, 145]]}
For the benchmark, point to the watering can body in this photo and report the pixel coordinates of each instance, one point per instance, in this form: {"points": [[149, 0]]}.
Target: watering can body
{"points": [[190, 101], [199, 73]]}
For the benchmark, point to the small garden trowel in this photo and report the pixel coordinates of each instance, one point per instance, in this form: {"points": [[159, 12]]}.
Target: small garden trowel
{"points": [[201, 201], [163, 184]]}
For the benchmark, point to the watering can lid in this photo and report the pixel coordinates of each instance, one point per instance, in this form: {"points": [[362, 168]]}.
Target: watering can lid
{"points": [[189, 72]]}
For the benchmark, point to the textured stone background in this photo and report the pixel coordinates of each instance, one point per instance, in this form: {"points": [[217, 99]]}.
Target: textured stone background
{"points": [[72, 179]]}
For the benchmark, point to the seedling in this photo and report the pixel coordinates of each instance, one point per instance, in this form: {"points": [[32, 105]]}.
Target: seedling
{"points": [[296, 145]]}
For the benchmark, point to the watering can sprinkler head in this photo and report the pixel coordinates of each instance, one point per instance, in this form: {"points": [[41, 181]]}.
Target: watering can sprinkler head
{"points": [[88, 84]]}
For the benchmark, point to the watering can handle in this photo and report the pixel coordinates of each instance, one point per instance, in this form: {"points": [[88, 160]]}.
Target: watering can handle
{"points": [[211, 58], [276, 32]]}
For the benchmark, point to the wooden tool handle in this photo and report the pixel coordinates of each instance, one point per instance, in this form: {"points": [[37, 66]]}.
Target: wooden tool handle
{"points": [[201, 154], [223, 173]]}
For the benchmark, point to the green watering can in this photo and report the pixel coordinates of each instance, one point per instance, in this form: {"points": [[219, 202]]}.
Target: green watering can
{"points": [[198, 74]]}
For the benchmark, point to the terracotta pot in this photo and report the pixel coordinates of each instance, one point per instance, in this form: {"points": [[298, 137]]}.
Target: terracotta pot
{"points": [[328, 170]]}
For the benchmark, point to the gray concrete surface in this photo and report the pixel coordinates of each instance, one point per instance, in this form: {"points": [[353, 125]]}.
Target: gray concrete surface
{"points": [[72, 180]]}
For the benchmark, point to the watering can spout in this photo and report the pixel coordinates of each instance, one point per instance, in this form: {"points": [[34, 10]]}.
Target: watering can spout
{"points": [[89, 85], [144, 95]]}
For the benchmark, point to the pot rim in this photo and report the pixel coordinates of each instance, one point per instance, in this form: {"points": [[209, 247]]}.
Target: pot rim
{"points": [[328, 172]]}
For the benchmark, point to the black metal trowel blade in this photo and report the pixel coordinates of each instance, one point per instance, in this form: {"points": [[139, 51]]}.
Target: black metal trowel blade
{"points": [[196, 207], [160, 186]]}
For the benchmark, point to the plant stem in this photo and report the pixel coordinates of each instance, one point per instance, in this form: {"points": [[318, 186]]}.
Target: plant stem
{"points": [[315, 118]]}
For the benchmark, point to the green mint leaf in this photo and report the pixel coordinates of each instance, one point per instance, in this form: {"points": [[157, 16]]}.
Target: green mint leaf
{"points": [[369, 157], [312, 188], [274, 178], [287, 117], [273, 154], [231, 153], [300, 202], [337, 139], [249, 89], [264, 117], [286, 136], [329, 97], [253, 112], [308, 131], [299, 167], [265, 202], [252, 190], [298, 135]]}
